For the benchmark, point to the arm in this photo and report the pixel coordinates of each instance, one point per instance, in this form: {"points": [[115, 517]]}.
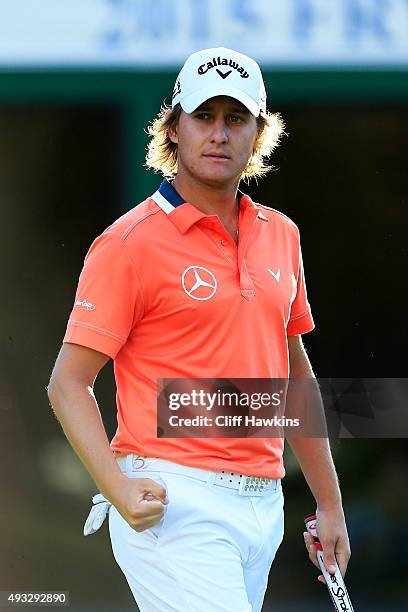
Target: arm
{"points": [[315, 459], [72, 398]]}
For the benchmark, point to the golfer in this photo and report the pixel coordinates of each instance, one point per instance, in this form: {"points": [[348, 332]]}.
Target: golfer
{"points": [[197, 281]]}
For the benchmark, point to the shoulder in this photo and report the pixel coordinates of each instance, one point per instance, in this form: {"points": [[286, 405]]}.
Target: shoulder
{"points": [[139, 219], [279, 219], [138, 224]]}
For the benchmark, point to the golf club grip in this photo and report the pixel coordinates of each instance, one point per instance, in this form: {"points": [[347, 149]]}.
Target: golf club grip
{"points": [[334, 582]]}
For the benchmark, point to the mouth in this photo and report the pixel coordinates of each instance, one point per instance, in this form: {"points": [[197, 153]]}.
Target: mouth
{"points": [[217, 156]]}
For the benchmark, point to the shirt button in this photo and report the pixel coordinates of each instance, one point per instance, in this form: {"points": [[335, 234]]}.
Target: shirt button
{"points": [[223, 242]]}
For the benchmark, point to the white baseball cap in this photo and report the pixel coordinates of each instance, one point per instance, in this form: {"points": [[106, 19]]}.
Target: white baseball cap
{"points": [[220, 72]]}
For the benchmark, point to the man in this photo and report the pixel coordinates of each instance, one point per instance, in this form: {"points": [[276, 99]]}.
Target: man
{"points": [[197, 281]]}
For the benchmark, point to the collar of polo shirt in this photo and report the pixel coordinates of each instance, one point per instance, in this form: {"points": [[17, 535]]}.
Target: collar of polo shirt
{"points": [[184, 214]]}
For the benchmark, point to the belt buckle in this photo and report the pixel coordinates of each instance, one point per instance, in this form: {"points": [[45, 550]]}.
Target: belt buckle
{"points": [[138, 463], [254, 486]]}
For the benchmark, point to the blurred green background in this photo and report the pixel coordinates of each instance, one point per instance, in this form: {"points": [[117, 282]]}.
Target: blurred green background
{"points": [[72, 150]]}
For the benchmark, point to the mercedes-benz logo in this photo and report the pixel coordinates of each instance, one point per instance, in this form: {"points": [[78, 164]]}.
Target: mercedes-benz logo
{"points": [[199, 283]]}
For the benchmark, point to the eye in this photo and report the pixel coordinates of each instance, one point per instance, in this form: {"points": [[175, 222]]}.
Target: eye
{"points": [[236, 119], [202, 116]]}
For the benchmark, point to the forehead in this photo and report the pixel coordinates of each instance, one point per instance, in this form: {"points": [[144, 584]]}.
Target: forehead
{"points": [[225, 103]]}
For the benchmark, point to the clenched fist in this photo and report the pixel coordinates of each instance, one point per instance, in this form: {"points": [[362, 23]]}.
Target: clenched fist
{"points": [[141, 502]]}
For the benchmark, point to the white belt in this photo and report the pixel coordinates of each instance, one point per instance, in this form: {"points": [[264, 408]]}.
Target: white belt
{"points": [[245, 485]]}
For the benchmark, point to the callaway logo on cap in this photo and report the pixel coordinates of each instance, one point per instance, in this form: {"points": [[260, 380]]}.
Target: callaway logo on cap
{"points": [[220, 72]]}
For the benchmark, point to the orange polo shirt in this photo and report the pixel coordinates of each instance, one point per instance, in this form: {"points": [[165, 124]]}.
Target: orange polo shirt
{"points": [[166, 293]]}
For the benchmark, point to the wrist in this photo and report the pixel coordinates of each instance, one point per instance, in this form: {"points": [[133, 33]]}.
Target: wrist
{"points": [[113, 488], [330, 506]]}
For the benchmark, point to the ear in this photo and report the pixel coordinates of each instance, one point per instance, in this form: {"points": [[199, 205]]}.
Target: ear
{"points": [[173, 133]]}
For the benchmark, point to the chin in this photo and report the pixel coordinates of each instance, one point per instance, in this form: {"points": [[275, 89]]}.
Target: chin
{"points": [[217, 179], [214, 175]]}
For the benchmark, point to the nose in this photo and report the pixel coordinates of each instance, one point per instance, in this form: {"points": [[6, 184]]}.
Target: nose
{"points": [[220, 133]]}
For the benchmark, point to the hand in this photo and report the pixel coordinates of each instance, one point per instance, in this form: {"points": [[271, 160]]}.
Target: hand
{"points": [[332, 533], [141, 502]]}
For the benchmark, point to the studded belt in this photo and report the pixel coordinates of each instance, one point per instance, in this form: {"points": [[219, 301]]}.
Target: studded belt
{"points": [[243, 484]]}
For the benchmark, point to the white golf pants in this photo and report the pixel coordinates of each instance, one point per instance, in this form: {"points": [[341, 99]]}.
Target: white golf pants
{"points": [[212, 550]]}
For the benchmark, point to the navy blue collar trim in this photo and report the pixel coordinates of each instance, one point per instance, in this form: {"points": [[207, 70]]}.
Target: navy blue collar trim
{"points": [[170, 194]]}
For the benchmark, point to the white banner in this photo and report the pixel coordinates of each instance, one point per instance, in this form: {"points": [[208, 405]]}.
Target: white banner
{"points": [[162, 33]]}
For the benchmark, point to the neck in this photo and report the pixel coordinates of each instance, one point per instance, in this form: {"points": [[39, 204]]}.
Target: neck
{"points": [[210, 199]]}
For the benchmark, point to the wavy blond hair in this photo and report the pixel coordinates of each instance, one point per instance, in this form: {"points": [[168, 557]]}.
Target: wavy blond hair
{"points": [[162, 152]]}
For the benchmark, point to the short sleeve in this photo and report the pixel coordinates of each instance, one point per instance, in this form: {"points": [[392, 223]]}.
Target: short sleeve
{"points": [[108, 301], [301, 320]]}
